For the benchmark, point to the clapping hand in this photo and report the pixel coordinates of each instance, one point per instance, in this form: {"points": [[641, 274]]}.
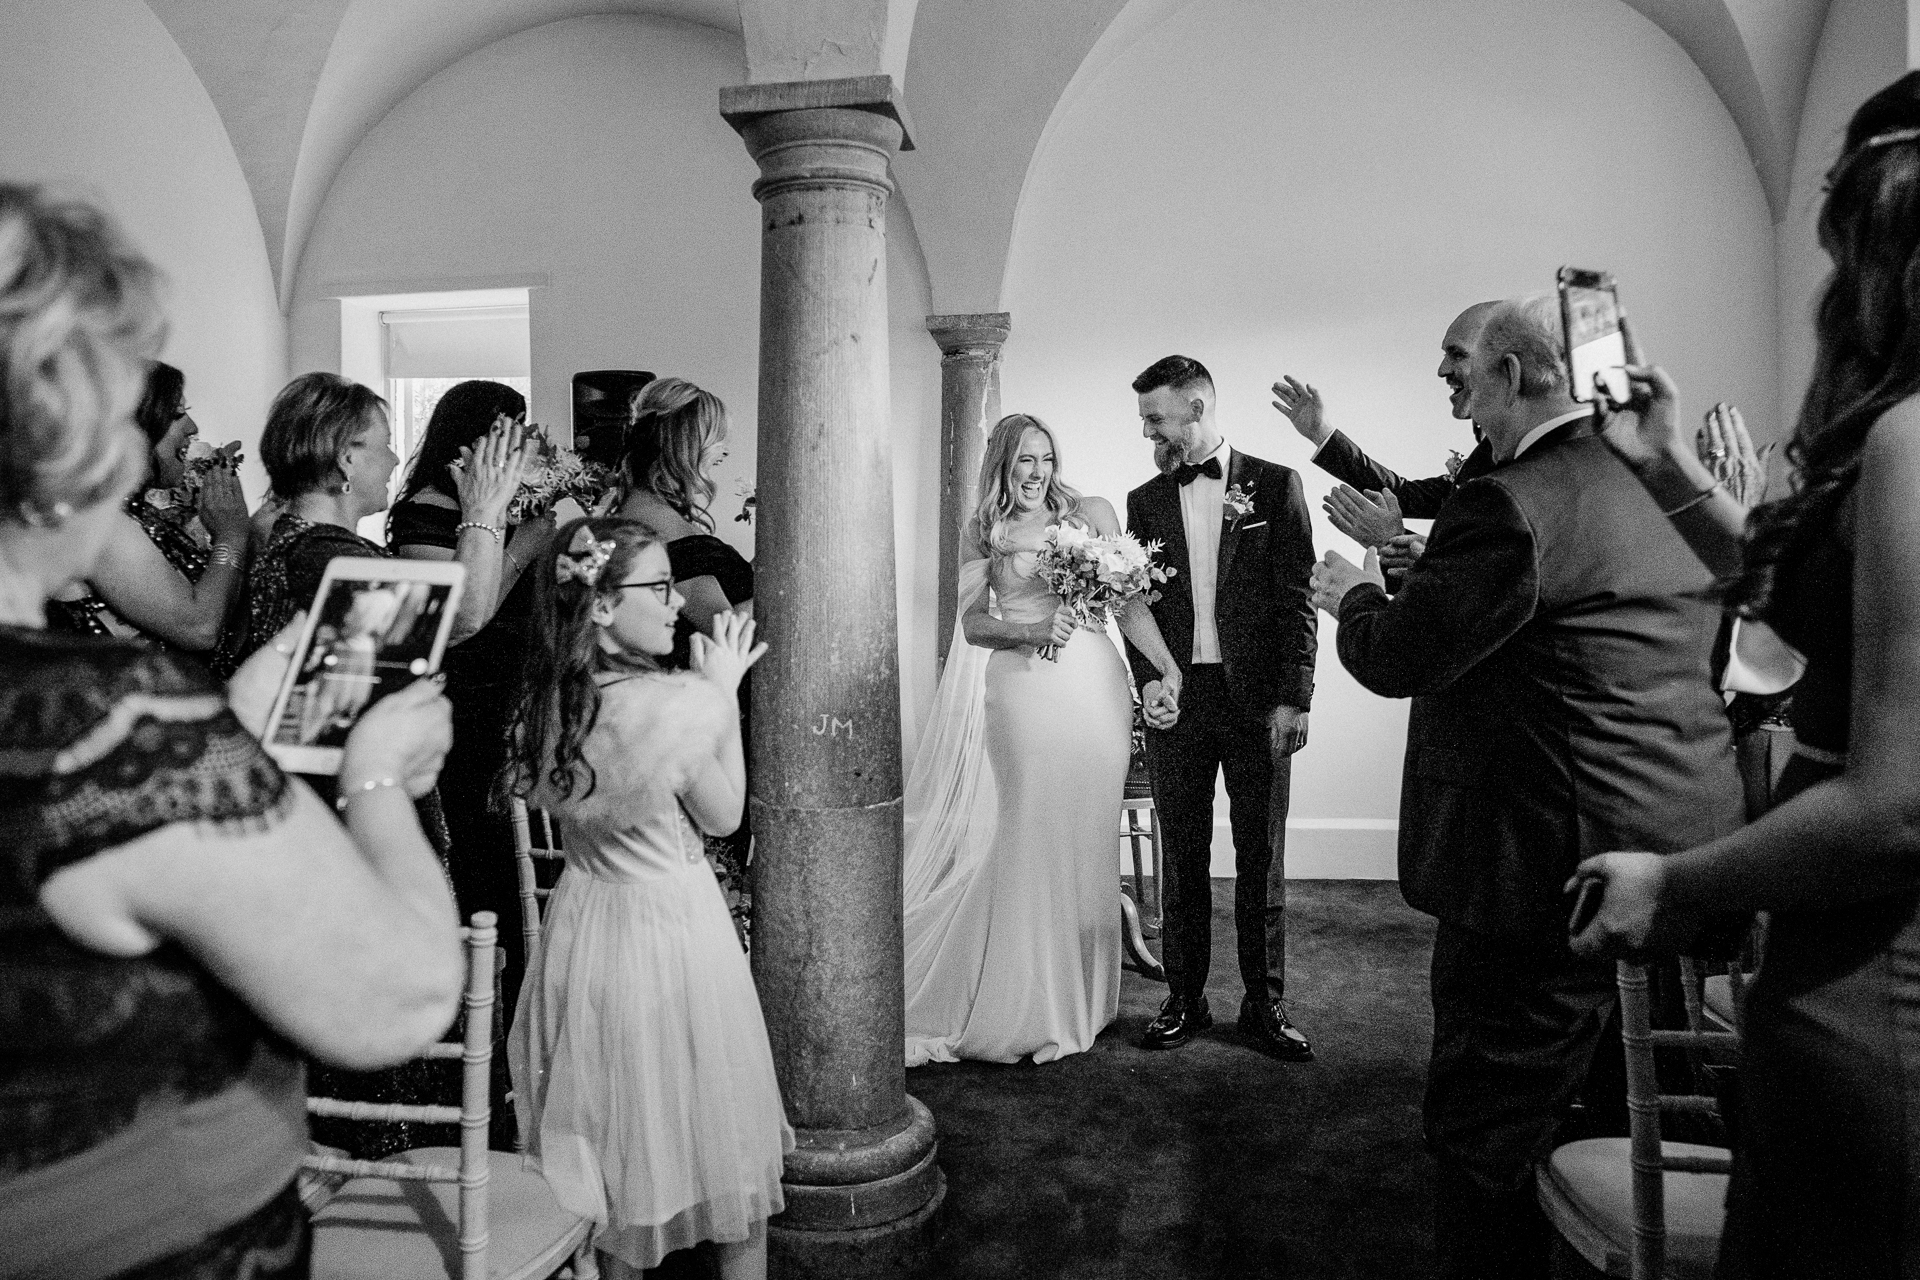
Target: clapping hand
{"points": [[1371, 519], [725, 658], [1300, 404], [487, 474], [1400, 553], [223, 505], [1336, 575], [1728, 451]]}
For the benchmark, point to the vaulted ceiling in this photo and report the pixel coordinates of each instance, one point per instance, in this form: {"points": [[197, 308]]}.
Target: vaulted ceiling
{"points": [[299, 83]]}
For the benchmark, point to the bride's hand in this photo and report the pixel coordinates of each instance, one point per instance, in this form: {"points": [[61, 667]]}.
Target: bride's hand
{"points": [[1170, 688], [1061, 630], [725, 658]]}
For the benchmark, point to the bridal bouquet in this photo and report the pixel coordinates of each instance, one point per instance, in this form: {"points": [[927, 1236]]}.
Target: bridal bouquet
{"points": [[562, 473], [1094, 575]]}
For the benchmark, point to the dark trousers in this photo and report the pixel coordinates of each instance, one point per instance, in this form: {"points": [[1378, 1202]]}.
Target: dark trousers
{"points": [[1514, 1031], [1215, 734]]}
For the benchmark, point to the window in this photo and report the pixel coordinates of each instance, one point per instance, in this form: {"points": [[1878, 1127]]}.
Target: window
{"points": [[411, 402]]}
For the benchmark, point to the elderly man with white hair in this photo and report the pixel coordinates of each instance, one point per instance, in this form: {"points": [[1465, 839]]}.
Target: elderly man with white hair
{"points": [[1555, 639]]}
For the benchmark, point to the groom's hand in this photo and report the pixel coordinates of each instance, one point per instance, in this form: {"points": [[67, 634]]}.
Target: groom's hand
{"points": [[1159, 706], [1287, 730]]}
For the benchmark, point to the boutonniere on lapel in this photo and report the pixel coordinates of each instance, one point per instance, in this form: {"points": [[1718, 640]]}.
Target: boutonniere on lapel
{"points": [[1454, 463], [1239, 504]]}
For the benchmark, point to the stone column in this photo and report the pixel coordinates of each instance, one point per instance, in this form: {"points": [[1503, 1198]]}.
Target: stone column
{"points": [[969, 406], [862, 1185]]}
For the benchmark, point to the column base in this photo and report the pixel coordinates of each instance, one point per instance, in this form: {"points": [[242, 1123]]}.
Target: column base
{"points": [[901, 1248]]}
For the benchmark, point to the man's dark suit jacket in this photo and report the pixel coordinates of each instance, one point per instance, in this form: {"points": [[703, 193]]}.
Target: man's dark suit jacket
{"points": [[1418, 499], [1263, 608], [1555, 640]]}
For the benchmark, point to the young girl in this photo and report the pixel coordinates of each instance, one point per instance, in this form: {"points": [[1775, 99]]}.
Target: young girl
{"points": [[641, 1071]]}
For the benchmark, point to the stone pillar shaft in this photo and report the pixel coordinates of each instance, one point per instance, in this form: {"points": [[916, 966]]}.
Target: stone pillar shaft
{"points": [[827, 772], [969, 406]]}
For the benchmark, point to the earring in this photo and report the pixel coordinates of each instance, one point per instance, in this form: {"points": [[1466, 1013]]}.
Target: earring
{"points": [[346, 486]]}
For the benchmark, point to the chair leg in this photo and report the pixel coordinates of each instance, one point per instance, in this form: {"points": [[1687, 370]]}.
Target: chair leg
{"points": [[1136, 945]]}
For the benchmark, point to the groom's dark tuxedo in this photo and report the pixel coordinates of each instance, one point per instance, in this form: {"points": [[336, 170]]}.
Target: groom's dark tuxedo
{"points": [[1264, 622]]}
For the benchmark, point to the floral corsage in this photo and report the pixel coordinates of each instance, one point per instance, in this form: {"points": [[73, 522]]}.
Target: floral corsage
{"points": [[1239, 501]]}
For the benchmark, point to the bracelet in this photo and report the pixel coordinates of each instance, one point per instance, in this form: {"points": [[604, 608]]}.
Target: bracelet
{"points": [[365, 788], [1696, 499], [493, 529], [226, 554]]}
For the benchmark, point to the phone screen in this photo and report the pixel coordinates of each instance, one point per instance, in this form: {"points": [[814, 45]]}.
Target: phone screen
{"points": [[1590, 314], [366, 638]]}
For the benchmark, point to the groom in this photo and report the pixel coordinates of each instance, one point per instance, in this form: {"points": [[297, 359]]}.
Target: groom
{"points": [[1239, 618]]}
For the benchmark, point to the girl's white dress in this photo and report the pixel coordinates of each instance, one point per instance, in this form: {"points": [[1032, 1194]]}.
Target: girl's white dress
{"points": [[641, 1071]]}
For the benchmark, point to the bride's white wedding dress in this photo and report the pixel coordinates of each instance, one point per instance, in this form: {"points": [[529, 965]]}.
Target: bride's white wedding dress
{"points": [[1011, 879]]}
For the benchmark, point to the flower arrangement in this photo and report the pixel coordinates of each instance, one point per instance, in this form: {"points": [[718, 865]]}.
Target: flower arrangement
{"points": [[560, 473], [1239, 501], [748, 502], [1094, 574], [201, 458]]}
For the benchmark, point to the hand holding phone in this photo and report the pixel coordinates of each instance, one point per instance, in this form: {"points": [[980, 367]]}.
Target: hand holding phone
{"points": [[376, 626], [1593, 329]]}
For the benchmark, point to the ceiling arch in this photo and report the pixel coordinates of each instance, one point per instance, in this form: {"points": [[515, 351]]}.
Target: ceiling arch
{"points": [[1014, 65], [982, 79]]}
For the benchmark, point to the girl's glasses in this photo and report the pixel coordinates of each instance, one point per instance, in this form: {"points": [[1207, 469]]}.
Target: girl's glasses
{"points": [[662, 588]]}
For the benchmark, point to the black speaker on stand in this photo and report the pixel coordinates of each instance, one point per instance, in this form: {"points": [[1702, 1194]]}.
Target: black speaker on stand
{"points": [[600, 400]]}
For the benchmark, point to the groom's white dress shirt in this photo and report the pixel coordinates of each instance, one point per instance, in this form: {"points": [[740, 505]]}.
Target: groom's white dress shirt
{"points": [[1202, 507]]}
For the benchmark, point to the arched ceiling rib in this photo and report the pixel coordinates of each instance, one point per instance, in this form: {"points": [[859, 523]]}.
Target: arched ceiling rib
{"points": [[1757, 55], [300, 82]]}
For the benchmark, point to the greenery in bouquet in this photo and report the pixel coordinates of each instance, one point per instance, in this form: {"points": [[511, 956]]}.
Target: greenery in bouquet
{"points": [[556, 473], [1094, 574]]}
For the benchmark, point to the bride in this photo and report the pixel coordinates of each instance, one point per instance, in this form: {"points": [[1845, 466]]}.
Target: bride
{"points": [[1011, 881]]}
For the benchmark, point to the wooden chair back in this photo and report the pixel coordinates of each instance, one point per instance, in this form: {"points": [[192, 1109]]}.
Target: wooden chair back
{"points": [[475, 1052], [1646, 1105], [526, 854]]}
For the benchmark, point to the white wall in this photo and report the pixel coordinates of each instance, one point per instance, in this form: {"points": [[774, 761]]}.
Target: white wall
{"points": [[590, 155], [96, 96], [1863, 48], [1317, 189]]}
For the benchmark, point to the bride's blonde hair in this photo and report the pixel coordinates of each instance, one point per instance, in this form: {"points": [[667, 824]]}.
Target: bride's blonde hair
{"points": [[996, 482]]}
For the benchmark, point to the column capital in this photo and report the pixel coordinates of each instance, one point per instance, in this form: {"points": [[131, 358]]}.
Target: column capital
{"points": [[742, 104], [982, 332]]}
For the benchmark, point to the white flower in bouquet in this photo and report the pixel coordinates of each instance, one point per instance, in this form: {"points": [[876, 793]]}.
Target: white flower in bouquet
{"points": [[200, 458], [556, 473], [1094, 575]]}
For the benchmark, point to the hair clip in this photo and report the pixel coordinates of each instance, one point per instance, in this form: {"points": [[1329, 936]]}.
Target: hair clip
{"points": [[583, 559]]}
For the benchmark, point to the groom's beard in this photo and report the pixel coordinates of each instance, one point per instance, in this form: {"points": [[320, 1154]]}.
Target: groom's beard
{"points": [[1167, 456]]}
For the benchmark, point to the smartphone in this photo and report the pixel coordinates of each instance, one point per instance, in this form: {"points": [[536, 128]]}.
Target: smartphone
{"points": [[1590, 318], [375, 627], [1585, 907]]}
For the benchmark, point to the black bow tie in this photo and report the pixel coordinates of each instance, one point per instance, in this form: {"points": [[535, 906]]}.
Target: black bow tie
{"points": [[1186, 473]]}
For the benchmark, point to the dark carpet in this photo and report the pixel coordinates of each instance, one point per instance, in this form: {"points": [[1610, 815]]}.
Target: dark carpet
{"points": [[1212, 1160]]}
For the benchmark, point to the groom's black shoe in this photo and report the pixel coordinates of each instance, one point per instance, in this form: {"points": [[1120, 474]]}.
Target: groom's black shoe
{"points": [[1179, 1021], [1265, 1021]]}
